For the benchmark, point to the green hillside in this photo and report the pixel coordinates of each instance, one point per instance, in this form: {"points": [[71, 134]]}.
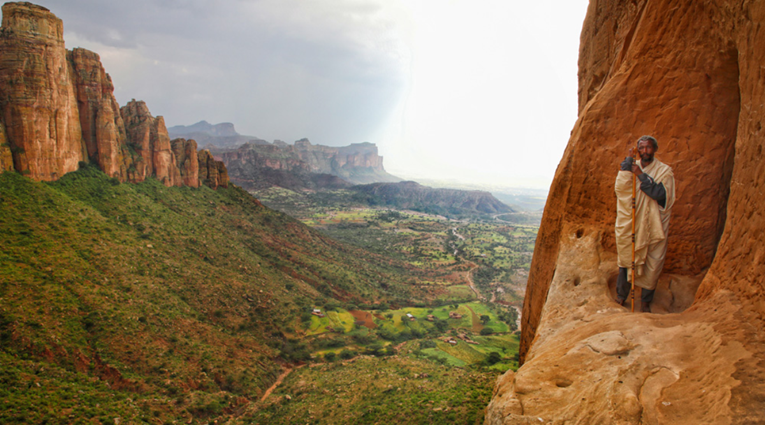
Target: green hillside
{"points": [[185, 300]]}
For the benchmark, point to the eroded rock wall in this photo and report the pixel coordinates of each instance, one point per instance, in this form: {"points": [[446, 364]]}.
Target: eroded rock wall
{"points": [[57, 108], [148, 136], [212, 173], [38, 104], [690, 73], [103, 131], [187, 161], [6, 157]]}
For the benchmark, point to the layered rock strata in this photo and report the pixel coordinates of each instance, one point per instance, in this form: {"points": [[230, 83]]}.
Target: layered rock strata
{"points": [[212, 172], [412, 195], [103, 131], [38, 105], [58, 109], [690, 73], [358, 163], [150, 140]]}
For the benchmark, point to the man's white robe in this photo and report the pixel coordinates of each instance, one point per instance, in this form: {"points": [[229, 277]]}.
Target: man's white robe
{"points": [[651, 223]]}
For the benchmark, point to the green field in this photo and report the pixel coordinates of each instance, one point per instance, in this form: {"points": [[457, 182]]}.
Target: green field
{"points": [[392, 390], [167, 305], [337, 331]]}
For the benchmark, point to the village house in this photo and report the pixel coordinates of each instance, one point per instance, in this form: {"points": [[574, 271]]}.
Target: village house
{"points": [[454, 315], [317, 312], [409, 315], [467, 339]]}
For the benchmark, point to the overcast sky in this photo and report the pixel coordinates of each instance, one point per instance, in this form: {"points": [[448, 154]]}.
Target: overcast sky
{"points": [[478, 91]]}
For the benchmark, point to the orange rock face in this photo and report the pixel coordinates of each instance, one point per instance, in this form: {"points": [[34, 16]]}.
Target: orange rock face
{"points": [[57, 108], [102, 128], [149, 138], [187, 164], [6, 157], [212, 173], [38, 106], [689, 73]]}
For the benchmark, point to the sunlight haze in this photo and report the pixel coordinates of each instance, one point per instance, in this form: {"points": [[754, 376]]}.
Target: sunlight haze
{"points": [[481, 92]]}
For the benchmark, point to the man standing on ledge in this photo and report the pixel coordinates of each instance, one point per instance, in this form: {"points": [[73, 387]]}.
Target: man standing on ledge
{"points": [[653, 205]]}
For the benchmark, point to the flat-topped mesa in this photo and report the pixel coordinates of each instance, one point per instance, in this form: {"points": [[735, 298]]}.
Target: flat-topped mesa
{"points": [[57, 108], [358, 163], [30, 20]]}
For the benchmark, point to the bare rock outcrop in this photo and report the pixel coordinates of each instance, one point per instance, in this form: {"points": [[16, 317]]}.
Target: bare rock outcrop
{"points": [[187, 161], [6, 157], [38, 104], [358, 163], [102, 128], [57, 108], [690, 73], [148, 136], [212, 172]]}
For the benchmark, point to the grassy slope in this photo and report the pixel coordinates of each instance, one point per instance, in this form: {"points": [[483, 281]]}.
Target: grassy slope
{"points": [[180, 297], [374, 391]]}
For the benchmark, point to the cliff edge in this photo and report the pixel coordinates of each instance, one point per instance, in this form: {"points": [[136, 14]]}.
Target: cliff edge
{"points": [[690, 73], [57, 109]]}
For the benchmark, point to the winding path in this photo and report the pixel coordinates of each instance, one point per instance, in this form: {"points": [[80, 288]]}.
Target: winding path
{"points": [[472, 284], [278, 381]]}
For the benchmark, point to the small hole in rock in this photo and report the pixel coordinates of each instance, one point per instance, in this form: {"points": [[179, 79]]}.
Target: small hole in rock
{"points": [[579, 233], [563, 383], [577, 281]]}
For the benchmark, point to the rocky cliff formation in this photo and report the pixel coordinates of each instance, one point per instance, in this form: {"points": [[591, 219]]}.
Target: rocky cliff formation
{"points": [[358, 163], [448, 202], [690, 73], [303, 165], [222, 135], [58, 109], [38, 105], [102, 128]]}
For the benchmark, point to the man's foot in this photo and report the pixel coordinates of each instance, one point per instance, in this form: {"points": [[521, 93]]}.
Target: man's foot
{"points": [[645, 307], [620, 302]]}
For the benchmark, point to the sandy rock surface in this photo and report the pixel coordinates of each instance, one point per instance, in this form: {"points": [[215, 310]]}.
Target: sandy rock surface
{"points": [[690, 73]]}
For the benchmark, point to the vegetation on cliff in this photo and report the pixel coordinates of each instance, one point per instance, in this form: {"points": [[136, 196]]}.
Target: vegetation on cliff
{"points": [[152, 303], [162, 291]]}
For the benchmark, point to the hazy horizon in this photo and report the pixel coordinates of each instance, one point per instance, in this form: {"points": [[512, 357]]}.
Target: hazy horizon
{"points": [[482, 91]]}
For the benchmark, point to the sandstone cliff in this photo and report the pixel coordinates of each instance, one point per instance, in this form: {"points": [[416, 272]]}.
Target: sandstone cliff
{"points": [[58, 109], [211, 172], [448, 202], [221, 135], [358, 163], [690, 73], [38, 105], [102, 128], [303, 166]]}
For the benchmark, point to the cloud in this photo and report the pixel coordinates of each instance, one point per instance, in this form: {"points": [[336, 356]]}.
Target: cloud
{"points": [[283, 69], [479, 89]]}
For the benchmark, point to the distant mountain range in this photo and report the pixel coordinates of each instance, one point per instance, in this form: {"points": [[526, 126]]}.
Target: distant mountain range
{"points": [[258, 164], [448, 202], [219, 135]]}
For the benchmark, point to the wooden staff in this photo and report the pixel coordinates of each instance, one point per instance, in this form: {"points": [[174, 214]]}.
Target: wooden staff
{"points": [[632, 278]]}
